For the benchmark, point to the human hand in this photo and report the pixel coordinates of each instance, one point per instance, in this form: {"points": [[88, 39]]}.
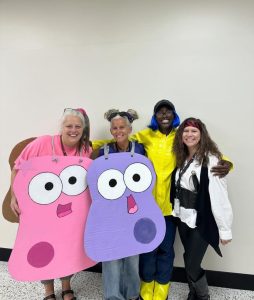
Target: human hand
{"points": [[14, 206], [222, 169], [225, 242]]}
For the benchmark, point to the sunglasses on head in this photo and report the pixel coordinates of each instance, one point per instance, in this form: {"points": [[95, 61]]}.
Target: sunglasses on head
{"points": [[121, 114], [69, 109], [80, 110]]}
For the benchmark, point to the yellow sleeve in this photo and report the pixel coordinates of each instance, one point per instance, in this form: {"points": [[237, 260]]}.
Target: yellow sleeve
{"points": [[228, 159], [134, 137], [138, 137], [98, 143]]}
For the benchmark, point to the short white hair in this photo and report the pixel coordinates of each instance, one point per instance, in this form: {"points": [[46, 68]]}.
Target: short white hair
{"points": [[71, 112]]}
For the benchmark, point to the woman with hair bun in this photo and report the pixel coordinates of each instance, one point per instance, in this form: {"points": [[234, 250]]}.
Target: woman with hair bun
{"points": [[121, 277]]}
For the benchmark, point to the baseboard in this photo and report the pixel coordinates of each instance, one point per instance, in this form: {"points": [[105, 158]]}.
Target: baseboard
{"points": [[220, 279], [215, 278], [5, 254]]}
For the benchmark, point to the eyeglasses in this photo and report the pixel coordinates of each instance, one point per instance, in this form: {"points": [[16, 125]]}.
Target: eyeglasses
{"points": [[121, 114]]}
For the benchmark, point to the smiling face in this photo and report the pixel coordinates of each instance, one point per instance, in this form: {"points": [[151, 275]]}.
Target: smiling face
{"points": [[191, 137], [72, 130], [165, 117], [120, 130]]}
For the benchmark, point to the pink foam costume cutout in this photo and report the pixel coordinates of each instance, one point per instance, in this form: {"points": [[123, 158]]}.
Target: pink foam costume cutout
{"points": [[54, 201]]}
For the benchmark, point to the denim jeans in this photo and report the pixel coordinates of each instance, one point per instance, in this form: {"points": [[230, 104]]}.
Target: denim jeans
{"points": [[158, 264], [121, 278]]}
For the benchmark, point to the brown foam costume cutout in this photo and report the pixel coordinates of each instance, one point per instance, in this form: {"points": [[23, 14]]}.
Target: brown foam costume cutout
{"points": [[7, 212]]}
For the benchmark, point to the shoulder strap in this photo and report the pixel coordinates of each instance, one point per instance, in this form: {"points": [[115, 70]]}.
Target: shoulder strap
{"points": [[106, 150], [53, 146], [54, 157], [132, 148]]}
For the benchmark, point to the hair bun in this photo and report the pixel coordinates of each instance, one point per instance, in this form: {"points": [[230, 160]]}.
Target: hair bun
{"points": [[109, 113]]}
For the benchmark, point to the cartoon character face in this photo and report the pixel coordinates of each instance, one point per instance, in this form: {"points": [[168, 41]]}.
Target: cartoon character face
{"points": [[124, 219], [54, 201]]}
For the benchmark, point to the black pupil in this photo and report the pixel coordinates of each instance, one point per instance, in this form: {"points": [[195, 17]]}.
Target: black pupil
{"points": [[112, 182], [72, 180], [136, 177], [49, 186]]}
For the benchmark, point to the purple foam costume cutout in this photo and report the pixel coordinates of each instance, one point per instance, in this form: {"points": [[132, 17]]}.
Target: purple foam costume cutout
{"points": [[123, 219]]}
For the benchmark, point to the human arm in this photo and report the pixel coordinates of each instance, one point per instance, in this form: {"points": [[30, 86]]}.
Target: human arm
{"points": [[95, 154], [139, 137], [99, 143], [222, 168], [220, 204], [142, 136], [225, 242]]}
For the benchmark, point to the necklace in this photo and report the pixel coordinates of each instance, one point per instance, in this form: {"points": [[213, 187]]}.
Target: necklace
{"points": [[63, 149]]}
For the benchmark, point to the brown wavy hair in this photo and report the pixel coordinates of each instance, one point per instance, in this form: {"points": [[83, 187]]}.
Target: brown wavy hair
{"points": [[206, 144]]}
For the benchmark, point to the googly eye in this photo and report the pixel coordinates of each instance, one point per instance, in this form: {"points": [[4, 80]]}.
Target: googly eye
{"points": [[111, 185], [45, 188], [74, 180], [138, 177]]}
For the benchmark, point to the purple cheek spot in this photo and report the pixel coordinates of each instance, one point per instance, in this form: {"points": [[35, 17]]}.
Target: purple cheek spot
{"points": [[40, 255], [144, 230]]}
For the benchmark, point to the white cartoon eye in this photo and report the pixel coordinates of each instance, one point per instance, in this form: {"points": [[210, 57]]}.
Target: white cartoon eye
{"points": [[138, 177], [45, 188], [111, 185], [74, 180]]}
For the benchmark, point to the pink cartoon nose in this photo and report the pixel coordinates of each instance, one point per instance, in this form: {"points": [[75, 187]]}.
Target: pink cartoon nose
{"points": [[131, 205]]}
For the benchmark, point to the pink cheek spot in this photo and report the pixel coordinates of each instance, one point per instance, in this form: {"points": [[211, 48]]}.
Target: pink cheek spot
{"points": [[40, 255]]}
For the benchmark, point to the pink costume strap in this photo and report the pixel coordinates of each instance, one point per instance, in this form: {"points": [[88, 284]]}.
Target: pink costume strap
{"points": [[54, 156]]}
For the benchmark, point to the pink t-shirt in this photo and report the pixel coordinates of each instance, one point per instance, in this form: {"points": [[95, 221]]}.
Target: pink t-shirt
{"points": [[42, 146]]}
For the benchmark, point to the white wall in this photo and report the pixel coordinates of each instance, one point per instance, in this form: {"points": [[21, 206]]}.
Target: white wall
{"points": [[102, 54]]}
